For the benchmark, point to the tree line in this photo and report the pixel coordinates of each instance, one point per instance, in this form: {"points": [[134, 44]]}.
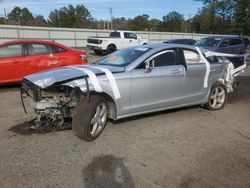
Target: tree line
{"points": [[215, 16]]}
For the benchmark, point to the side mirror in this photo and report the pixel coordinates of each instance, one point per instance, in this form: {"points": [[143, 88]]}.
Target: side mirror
{"points": [[148, 67]]}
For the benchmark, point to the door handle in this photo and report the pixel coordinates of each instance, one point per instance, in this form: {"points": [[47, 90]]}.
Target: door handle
{"points": [[51, 58], [53, 63], [177, 71]]}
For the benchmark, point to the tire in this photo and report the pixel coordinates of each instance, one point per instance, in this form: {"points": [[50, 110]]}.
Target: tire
{"points": [[90, 117], [98, 52], [111, 48], [217, 97]]}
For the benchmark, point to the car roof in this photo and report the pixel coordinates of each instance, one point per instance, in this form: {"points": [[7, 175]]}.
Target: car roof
{"points": [[168, 45], [34, 41], [224, 37], [180, 39]]}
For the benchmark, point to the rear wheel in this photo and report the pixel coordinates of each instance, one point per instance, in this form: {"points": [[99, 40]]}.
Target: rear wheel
{"points": [[217, 98], [111, 48], [90, 117]]}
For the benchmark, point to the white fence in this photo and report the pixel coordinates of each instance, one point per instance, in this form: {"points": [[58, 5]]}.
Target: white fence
{"points": [[78, 37]]}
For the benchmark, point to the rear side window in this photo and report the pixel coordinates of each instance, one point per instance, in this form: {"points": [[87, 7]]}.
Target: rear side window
{"points": [[115, 35], [129, 35], [235, 42], [57, 49], [13, 50], [38, 49], [166, 59], [191, 57]]}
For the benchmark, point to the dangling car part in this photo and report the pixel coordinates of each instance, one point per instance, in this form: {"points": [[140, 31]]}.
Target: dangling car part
{"points": [[126, 83]]}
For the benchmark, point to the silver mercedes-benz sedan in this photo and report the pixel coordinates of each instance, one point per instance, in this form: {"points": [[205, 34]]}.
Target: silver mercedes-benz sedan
{"points": [[129, 82]]}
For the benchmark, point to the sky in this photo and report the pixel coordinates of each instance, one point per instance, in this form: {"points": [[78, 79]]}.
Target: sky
{"points": [[100, 8]]}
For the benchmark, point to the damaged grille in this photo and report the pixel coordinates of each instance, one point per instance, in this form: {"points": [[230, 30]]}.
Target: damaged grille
{"points": [[31, 90]]}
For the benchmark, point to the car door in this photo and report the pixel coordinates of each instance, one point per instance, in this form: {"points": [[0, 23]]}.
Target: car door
{"points": [[158, 86], [237, 46], [193, 89], [130, 39], [40, 57], [12, 64], [224, 46]]}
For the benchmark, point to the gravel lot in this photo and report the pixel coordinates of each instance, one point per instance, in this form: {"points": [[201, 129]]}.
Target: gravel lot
{"points": [[188, 147]]}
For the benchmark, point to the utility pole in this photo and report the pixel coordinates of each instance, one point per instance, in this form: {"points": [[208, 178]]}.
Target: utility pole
{"points": [[5, 16], [111, 18]]}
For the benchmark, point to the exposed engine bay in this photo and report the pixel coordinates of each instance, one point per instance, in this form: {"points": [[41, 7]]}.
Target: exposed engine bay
{"points": [[53, 106]]}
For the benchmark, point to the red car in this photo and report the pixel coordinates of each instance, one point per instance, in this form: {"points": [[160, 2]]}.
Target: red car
{"points": [[23, 57]]}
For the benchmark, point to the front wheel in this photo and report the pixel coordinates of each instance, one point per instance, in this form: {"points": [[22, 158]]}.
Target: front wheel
{"points": [[98, 52], [217, 98], [90, 117], [111, 48]]}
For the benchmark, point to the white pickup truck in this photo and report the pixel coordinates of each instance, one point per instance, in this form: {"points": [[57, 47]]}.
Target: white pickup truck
{"points": [[116, 40]]}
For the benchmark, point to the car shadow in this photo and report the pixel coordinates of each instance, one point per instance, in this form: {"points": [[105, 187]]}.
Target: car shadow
{"points": [[9, 87]]}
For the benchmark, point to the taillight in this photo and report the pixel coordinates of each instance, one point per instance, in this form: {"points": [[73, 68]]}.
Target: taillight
{"points": [[83, 56]]}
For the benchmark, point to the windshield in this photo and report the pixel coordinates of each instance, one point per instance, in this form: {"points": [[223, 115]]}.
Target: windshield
{"points": [[123, 57], [211, 42]]}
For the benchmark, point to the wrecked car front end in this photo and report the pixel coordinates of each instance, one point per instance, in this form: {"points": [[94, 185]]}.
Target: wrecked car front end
{"points": [[53, 106]]}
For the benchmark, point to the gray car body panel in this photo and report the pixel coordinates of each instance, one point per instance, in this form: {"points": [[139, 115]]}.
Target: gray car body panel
{"points": [[141, 92]]}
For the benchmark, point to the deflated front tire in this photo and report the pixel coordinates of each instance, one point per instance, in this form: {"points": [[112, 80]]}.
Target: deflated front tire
{"points": [[90, 117]]}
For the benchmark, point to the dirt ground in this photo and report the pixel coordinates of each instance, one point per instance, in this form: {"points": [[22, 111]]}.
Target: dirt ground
{"points": [[185, 148]]}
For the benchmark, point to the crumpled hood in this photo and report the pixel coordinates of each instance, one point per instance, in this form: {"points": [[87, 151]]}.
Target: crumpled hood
{"points": [[63, 74]]}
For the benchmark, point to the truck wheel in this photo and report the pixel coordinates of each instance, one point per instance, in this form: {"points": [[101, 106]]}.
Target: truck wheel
{"points": [[90, 117], [217, 98], [111, 48], [98, 52]]}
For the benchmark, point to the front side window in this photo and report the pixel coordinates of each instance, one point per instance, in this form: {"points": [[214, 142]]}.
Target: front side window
{"points": [[191, 57], [166, 59], [224, 43], [38, 49], [12, 50]]}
